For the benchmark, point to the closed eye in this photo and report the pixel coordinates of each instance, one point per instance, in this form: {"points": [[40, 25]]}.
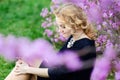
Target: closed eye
{"points": [[62, 26]]}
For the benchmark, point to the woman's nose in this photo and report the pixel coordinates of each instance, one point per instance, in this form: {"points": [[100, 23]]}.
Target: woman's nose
{"points": [[61, 31]]}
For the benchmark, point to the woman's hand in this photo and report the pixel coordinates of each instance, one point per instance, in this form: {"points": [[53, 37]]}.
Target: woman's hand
{"points": [[21, 67]]}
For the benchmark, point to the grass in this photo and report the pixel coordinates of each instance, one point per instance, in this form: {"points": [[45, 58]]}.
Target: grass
{"points": [[20, 18]]}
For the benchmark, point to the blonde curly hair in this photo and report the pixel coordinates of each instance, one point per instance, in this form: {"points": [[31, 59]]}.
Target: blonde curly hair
{"points": [[76, 18]]}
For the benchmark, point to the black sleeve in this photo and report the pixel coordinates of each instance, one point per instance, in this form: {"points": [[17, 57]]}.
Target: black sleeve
{"points": [[57, 73], [60, 72]]}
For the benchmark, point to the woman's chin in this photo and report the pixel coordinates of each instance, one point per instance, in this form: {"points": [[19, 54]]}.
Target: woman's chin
{"points": [[66, 36]]}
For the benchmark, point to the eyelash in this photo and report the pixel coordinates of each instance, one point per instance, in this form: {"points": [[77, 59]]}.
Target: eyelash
{"points": [[62, 26]]}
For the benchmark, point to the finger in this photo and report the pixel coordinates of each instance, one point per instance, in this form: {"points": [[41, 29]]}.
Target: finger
{"points": [[18, 74], [17, 71], [19, 62], [18, 65], [23, 62]]}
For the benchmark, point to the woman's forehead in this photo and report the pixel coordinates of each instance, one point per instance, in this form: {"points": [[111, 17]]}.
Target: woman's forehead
{"points": [[59, 20]]}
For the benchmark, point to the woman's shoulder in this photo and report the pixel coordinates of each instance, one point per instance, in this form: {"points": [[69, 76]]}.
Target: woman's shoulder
{"points": [[85, 41]]}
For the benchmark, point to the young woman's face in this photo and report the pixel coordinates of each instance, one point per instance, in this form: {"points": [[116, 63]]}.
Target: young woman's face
{"points": [[64, 29]]}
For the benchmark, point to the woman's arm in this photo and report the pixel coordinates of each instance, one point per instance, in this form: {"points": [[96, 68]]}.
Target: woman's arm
{"points": [[12, 75], [23, 68], [42, 72]]}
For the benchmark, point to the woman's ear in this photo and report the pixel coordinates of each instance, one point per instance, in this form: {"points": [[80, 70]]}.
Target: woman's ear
{"points": [[73, 31]]}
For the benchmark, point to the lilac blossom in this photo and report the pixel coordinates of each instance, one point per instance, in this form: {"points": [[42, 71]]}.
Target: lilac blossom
{"points": [[101, 39], [44, 12], [56, 40], [98, 49], [114, 25], [56, 1], [116, 64], [61, 38], [9, 45], [101, 69], [117, 75], [23, 52], [48, 32], [53, 7], [49, 24], [106, 4], [44, 24], [93, 12], [39, 49], [110, 53], [99, 27], [71, 60]]}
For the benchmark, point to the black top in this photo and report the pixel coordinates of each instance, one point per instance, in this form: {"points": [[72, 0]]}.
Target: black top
{"points": [[81, 46]]}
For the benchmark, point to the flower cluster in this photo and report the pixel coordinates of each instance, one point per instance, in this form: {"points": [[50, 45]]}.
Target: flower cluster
{"points": [[12, 48], [50, 27]]}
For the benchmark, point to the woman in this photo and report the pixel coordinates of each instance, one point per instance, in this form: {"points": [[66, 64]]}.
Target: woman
{"points": [[72, 24]]}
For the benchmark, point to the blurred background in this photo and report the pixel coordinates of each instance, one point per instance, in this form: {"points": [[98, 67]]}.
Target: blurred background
{"points": [[20, 18], [32, 19]]}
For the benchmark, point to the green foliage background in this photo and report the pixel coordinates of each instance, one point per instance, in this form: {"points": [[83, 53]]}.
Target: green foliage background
{"points": [[20, 18]]}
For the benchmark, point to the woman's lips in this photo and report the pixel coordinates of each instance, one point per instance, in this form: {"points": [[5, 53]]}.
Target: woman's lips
{"points": [[63, 33]]}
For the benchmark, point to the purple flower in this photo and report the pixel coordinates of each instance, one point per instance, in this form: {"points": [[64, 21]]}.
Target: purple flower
{"points": [[49, 19], [101, 69], [41, 44], [101, 39], [23, 49], [44, 12], [9, 51], [117, 75], [110, 32], [106, 4], [48, 32], [94, 13], [56, 1], [110, 53], [105, 15], [53, 7], [49, 24], [44, 24], [115, 26], [56, 40], [98, 49], [99, 27], [116, 64], [110, 13], [61, 38], [99, 75], [71, 60]]}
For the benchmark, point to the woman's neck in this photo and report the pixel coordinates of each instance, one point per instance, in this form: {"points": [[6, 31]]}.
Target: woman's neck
{"points": [[79, 35]]}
